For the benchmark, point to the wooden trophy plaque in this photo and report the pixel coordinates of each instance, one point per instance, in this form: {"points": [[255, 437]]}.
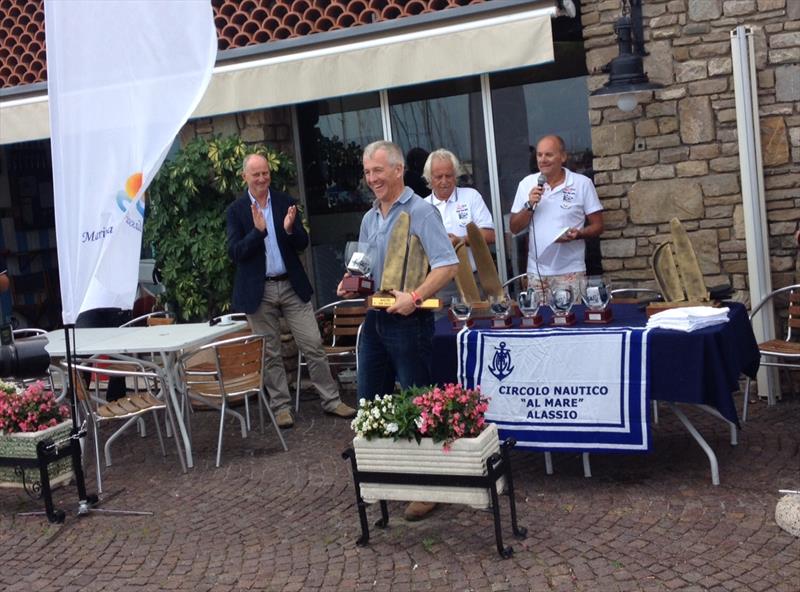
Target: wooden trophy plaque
{"points": [[600, 317], [360, 284], [404, 268], [563, 319]]}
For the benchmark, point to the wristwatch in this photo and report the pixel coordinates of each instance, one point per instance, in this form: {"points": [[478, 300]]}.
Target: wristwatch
{"points": [[529, 206]]}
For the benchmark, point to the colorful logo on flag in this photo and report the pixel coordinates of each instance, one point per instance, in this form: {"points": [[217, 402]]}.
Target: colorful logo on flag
{"points": [[126, 196]]}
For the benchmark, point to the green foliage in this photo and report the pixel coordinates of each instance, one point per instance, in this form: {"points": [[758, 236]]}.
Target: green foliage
{"points": [[390, 416], [186, 220]]}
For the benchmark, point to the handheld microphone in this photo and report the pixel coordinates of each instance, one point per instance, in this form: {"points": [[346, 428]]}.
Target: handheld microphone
{"points": [[540, 184]]}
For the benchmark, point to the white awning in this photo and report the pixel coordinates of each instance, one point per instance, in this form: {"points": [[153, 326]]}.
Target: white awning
{"points": [[425, 54]]}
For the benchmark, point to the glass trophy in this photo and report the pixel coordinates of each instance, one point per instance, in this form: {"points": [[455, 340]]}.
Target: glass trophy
{"points": [[501, 311], [530, 301], [460, 311], [561, 300], [596, 296], [359, 266]]}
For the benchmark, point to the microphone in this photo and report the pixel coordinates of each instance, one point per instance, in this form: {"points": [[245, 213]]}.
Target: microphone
{"points": [[540, 184]]}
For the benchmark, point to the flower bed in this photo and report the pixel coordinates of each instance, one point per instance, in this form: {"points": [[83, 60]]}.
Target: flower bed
{"points": [[29, 415]]}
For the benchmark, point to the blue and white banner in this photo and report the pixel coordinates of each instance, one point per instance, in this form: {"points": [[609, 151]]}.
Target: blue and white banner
{"points": [[562, 389]]}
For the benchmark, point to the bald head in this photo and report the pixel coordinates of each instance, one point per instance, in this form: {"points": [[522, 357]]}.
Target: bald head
{"points": [[550, 157]]}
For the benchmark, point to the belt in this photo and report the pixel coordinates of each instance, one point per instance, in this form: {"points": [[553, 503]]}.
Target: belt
{"points": [[277, 278]]}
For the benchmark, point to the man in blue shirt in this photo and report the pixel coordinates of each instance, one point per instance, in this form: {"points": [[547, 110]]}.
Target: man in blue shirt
{"points": [[396, 343]]}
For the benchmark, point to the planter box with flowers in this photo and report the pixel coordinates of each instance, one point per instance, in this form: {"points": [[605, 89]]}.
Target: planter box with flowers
{"points": [[27, 416], [431, 445], [435, 432]]}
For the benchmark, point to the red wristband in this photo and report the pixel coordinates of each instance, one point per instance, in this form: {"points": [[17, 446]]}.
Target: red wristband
{"points": [[416, 298]]}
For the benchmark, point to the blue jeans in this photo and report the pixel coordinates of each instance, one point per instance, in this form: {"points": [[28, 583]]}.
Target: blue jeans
{"points": [[393, 347]]}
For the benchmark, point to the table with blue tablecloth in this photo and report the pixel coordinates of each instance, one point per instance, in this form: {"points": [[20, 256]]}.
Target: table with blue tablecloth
{"points": [[700, 368]]}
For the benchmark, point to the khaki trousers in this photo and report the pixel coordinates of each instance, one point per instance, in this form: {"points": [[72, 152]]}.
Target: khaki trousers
{"points": [[281, 300]]}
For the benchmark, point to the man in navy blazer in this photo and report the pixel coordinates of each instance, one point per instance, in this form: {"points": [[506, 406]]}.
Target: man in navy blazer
{"points": [[265, 235]]}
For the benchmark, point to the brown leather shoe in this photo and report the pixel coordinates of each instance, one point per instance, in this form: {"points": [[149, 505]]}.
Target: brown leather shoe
{"points": [[284, 419], [342, 410], [418, 510]]}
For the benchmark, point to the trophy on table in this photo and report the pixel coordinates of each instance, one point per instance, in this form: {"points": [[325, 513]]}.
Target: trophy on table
{"points": [[530, 301], [490, 282], [596, 296], [404, 268], [460, 310], [359, 263], [500, 305], [561, 300]]}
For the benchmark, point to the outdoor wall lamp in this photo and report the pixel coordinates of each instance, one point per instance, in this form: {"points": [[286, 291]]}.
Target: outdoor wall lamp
{"points": [[626, 71]]}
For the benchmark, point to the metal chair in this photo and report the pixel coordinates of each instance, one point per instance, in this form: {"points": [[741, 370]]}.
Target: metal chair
{"points": [[348, 315], [237, 373], [159, 317], [786, 351], [513, 281], [636, 295], [128, 410]]}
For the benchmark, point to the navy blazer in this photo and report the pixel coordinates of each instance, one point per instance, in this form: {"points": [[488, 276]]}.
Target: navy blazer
{"points": [[247, 249]]}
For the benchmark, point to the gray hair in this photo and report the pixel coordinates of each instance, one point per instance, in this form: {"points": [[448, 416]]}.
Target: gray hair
{"points": [[393, 153], [250, 157], [441, 154]]}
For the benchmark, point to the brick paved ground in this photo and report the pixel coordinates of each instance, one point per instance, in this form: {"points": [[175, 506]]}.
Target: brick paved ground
{"points": [[270, 520]]}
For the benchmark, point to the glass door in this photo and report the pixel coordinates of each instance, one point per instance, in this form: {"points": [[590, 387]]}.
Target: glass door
{"points": [[332, 135]]}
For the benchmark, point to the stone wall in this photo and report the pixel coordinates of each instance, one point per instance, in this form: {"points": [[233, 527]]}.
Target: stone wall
{"points": [[267, 126], [677, 153]]}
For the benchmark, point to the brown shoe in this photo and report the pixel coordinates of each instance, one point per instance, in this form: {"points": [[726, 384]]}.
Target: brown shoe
{"points": [[342, 410], [418, 510], [284, 419]]}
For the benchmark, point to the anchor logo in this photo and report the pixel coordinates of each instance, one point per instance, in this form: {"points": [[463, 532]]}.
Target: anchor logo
{"points": [[501, 362]]}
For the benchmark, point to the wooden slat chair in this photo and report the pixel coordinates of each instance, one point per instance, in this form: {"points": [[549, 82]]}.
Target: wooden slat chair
{"points": [[128, 409], [780, 353], [348, 315], [238, 372], [205, 361]]}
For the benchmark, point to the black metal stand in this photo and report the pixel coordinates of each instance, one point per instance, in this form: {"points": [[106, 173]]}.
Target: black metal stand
{"points": [[497, 466], [48, 452]]}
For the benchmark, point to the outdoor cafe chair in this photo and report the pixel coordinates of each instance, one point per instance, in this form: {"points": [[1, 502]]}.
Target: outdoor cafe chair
{"points": [[348, 316], [127, 410], [160, 317], [783, 352], [237, 373]]}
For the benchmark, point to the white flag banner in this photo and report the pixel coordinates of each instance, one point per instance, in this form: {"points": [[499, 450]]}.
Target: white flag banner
{"points": [[123, 77]]}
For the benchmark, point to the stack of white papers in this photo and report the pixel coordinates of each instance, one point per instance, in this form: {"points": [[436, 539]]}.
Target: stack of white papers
{"points": [[688, 318]]}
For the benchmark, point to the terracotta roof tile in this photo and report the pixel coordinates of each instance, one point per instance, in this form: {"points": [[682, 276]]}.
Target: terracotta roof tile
{"points": [[239, 23]]}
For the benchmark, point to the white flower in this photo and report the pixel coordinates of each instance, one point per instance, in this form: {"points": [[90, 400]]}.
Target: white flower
{"points": [[391, 428], [418, 421], [376, 412]]}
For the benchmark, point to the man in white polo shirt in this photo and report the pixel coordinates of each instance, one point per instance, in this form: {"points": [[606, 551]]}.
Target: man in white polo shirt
{"points": [[458, 206], [556, 212]]}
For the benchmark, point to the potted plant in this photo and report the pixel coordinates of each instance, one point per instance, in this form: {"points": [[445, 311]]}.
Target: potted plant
{"points": [[185, 221], [28, 415], [436, 431]]}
